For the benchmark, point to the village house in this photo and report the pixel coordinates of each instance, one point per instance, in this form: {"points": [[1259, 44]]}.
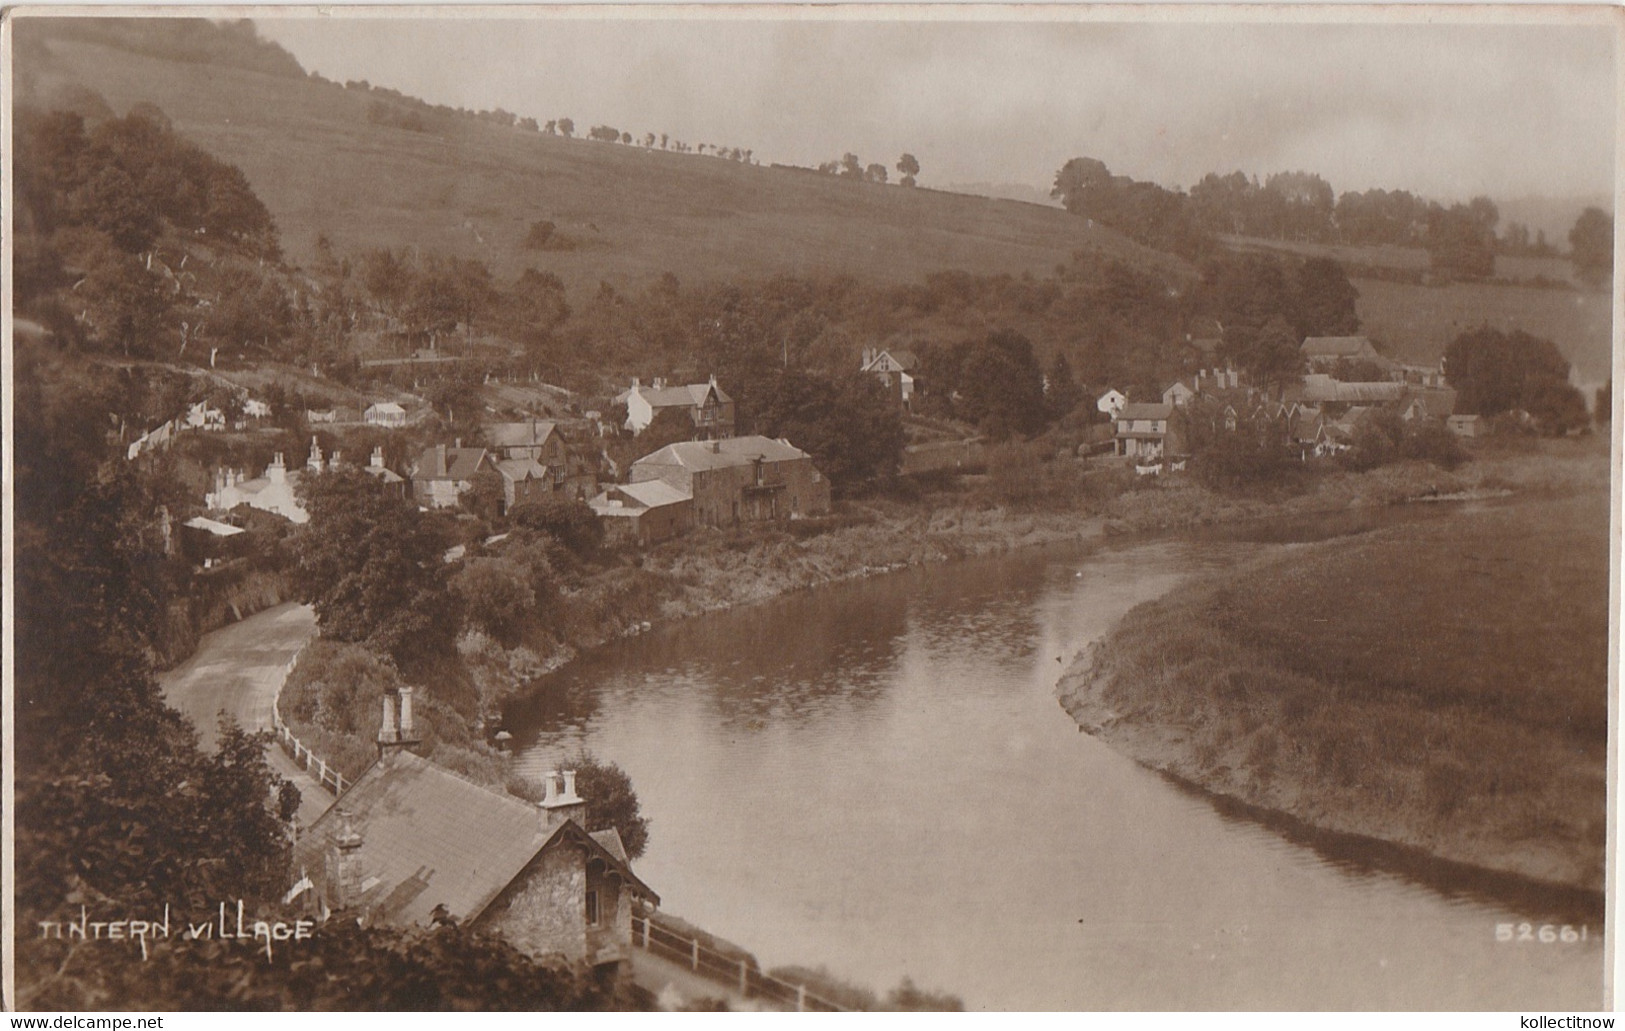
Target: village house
{"points": [[1110, 403], [1465, 425], [393, 481], [272, 492], [1323, 353], [411, 844], [647, 512], [897, 371], [524, 480], [711, 410], [444, 474], [521, 446], [1143, 429], [739, 480], [387, 414]]}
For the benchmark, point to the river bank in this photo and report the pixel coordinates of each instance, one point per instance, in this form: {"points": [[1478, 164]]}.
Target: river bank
{"points": [[1441, 687], [711, 571]]}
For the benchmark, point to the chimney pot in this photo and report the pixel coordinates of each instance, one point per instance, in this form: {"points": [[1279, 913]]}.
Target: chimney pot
{"points": [[406, 713], [389, 732], [550, 785], [569, 786]]}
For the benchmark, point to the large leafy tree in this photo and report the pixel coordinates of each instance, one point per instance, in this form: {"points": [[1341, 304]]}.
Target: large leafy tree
{"points": [[1495, 371], [849, 424], [1591, 243], [372, 567]]}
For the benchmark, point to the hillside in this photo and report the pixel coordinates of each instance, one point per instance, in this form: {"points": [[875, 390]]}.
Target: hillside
{"points": [[473, 189], [1416, 322]]}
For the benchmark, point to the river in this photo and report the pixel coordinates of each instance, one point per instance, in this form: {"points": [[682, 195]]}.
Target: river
{"points": [[877, 778]]}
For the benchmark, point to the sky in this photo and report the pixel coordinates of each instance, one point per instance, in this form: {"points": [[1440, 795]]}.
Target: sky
{"points": [[1447, 110]]}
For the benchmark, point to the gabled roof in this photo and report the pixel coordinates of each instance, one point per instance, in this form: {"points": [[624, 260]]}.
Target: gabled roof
{"points": [[1336, 347], [432, 838], [520, 434], [907, 361], [386, 407], [1145, 410], [518, 469], [449, 463], [1440, 402], [215, 527], [721, 454], [689, 395], [648, 493]]}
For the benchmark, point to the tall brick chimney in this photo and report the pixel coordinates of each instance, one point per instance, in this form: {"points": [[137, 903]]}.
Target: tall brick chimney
{"points": [[344, 865]]}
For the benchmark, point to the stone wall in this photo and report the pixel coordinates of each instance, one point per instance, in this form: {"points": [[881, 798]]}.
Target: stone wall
{"points": [[544, 911]]}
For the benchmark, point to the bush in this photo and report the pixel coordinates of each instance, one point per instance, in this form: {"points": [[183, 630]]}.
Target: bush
{"points": [[497, 596]]}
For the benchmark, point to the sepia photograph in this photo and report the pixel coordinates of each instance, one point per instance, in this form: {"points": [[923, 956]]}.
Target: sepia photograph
{"points": [[772, 508]]}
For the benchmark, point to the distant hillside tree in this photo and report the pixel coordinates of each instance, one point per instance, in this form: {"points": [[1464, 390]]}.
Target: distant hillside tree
{"points": [[1591, 244], [910, 167], [875, 173], [567, 127], [851, 167]]}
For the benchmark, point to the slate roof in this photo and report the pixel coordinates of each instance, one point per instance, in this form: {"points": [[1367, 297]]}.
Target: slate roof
{"points": [[689, 395], [1441, 402], [1145, 410], [908, 361], [520, 434], [449, 463], [517, 469], [1336, 347], [648, 493], [215, 527], [721, 454], [430, 837]]}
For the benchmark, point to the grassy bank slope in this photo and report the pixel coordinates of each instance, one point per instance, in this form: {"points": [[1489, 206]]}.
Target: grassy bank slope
{"points": [[1439, 685], [473, 189]]}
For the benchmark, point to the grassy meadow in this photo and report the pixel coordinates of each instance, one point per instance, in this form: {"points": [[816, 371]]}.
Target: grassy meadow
{"points": [[473, 189], [1441, 685]]}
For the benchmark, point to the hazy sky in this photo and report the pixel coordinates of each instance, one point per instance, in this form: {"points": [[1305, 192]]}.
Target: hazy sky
{"points": [[1446, 110]]}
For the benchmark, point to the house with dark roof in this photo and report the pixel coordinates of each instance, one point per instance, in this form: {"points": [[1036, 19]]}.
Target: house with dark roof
{"points": [[411, 843], [519, 447], [1325, 352], [896, 370], [710, 408], [1142, 429], [739, 480], [444, 474]]}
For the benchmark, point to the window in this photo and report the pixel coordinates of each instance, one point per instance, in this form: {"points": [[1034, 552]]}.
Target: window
{"points": [[592, 909]]}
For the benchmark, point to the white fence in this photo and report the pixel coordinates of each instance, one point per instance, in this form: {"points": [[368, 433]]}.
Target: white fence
{"points": [[325, 775], [736, 973]]}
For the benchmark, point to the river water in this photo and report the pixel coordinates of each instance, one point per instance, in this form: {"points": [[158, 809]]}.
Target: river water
{"points": [[877, 778]]}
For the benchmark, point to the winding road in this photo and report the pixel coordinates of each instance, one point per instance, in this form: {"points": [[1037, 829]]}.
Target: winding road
{"points": [[237, 671]]}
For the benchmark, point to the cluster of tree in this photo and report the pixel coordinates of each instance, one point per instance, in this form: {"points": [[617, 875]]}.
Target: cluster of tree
{"points": [[1266, 306], [850, 166], [1591, 242], [1142, 211], [1495, 372], [994, 382]]}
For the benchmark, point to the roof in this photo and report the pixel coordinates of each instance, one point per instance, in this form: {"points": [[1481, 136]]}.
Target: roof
{"points": [[689, 395], [1336, 347], [430, 837], [449, 463], [520, 434], [610, 841], [1145, 410], [383, 473], [720, 454], [517, 469], [904, 360], [1440, 403], [387, 407], [648, 493], [1317, 389], [219, 529]]}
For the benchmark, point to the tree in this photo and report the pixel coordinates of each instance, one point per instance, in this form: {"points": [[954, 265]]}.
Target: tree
{"points": [[497, 597], [1061, 390], [850, 425], [1326, 300], [567, 520], [567, 127], [875, 173], [1591, 244], [1080, 184], [996, 383], [851, 167], [1494, 372], [371, 566], [611, 802], [910, 167]]}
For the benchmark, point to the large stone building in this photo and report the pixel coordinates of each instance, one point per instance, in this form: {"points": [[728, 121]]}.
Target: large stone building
{"points": [[739, 480], [412, 844]]}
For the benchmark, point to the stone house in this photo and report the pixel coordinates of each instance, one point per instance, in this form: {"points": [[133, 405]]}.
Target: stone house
{"points": [[739, 480], [647, 512], [710, 408], [412, 844], [272, 492]]}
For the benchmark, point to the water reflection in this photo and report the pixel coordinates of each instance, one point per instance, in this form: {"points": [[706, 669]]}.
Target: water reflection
{"points": [[878, 778]]}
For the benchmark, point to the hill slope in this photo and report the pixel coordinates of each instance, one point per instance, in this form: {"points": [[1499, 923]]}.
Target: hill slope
{"points": [[473, 189]]}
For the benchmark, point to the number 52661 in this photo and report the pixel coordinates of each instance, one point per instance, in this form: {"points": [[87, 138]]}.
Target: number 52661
{"points": [[1545, 934]]}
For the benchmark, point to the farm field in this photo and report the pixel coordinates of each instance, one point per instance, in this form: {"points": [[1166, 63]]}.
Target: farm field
{"points": [[473, 189]]}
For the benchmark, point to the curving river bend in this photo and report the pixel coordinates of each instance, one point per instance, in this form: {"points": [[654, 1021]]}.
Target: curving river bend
{"points": [[877, 778]]}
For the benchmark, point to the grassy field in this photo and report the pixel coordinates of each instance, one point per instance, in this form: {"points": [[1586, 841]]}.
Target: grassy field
{"points": [[1417, 322], [1410, 259], [1441, 685], [473, 189]]}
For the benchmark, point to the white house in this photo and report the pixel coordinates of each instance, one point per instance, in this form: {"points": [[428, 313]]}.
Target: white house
{"points": [[384, 413], [1110, 403]]}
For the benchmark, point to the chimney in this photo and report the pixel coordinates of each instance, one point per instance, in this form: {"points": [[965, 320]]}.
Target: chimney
{"points": [[868, 356], [459, 443], [636, 383], [659, 382], [397, 735], [344, 865], [378, 457], [277, 472], [315, 462], [406, 715], [560, 801]]}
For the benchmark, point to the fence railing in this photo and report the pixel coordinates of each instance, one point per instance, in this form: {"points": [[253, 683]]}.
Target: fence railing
{"points": [[738, 974], [326, 776]]}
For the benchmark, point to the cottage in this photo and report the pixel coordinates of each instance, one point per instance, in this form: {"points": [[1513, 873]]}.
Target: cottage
{"points": [[1325, 352], [647, 512], [413, 844], [541, 442], [897, 371], [1110, 403], [273, 492], [711, 410], [1142, 429], [1178, 393], [384, 413], [444, 474], [742, 479], [393, 481], [524, 480], [1465, 425]]}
